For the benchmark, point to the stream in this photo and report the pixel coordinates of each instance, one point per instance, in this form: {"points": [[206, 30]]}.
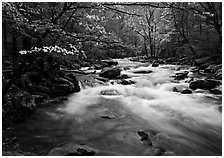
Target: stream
{"points": [[144, 118]]}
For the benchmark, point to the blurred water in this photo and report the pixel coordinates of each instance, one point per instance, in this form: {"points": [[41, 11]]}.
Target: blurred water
{"points": [[188, 124]]}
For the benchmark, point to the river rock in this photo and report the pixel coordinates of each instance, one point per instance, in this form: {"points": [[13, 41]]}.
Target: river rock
{"points": [[218, 74], [24, 106], [186, 91], [110, 62], [126, 82], [100, 66], [215, 91], [72, 150], [181, 75], [109, 92], [17, 153], [40, 97], [155, 64], [123, 76], [159, 151], [209, 69], [204, 84], [110, 73], [143, 71], [71, 77], [170, 60], [220, 108]]}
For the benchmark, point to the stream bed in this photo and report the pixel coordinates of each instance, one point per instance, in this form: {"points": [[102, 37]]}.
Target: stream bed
{"points": [[143, 118]]}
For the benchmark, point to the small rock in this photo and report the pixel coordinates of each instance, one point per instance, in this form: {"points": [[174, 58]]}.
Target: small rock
{"points": [[215, 91], [109, 92], [181, 75], [123, 76], [126, 82], [155, 64], [72, 150], [145, 138], [186, 91], [108, 116], [159, 151], [209, 69], [143, 72]]}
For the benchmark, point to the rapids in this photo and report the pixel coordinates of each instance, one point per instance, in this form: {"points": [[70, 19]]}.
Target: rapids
{"points": [[145, 118], [187, 124]]}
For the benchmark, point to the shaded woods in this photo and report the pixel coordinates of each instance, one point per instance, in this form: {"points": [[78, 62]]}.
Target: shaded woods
{"points": [[45, 45]]}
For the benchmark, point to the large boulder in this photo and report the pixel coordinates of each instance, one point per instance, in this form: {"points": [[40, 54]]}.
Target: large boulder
{"points": [[65, 87], [110, 73], [204, 84], [18, 106]]}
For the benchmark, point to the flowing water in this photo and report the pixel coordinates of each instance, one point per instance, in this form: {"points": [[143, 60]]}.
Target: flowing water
{"points": [[183, 124]]}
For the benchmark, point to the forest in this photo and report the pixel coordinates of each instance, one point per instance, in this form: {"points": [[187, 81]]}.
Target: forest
{"points": [[54, 50]]}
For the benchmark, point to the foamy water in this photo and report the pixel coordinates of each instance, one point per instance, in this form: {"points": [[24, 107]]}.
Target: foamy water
{"points": [[187, 118]]}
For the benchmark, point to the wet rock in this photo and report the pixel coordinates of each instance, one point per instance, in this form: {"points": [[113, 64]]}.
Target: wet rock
{"points": [[218, 74], [143, 72], [181, 75], [170, 60], [200, 91], [19, 106], [109, 92], [25, 84], [159, 151], [199, 62], [169, 153], [108, 116], [204, 84], [145, 137], [17, 153], [215, 91], [72, 78], [110, 73], [126, 82], [209, 69], [100, 66], [155, 64], [40, 97], [72, 150], [123, 76], [127, 68], [110, 62], [41, 89], [105, 63], [186, 91], [102, 79], [64, 86], [175, 89]]}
